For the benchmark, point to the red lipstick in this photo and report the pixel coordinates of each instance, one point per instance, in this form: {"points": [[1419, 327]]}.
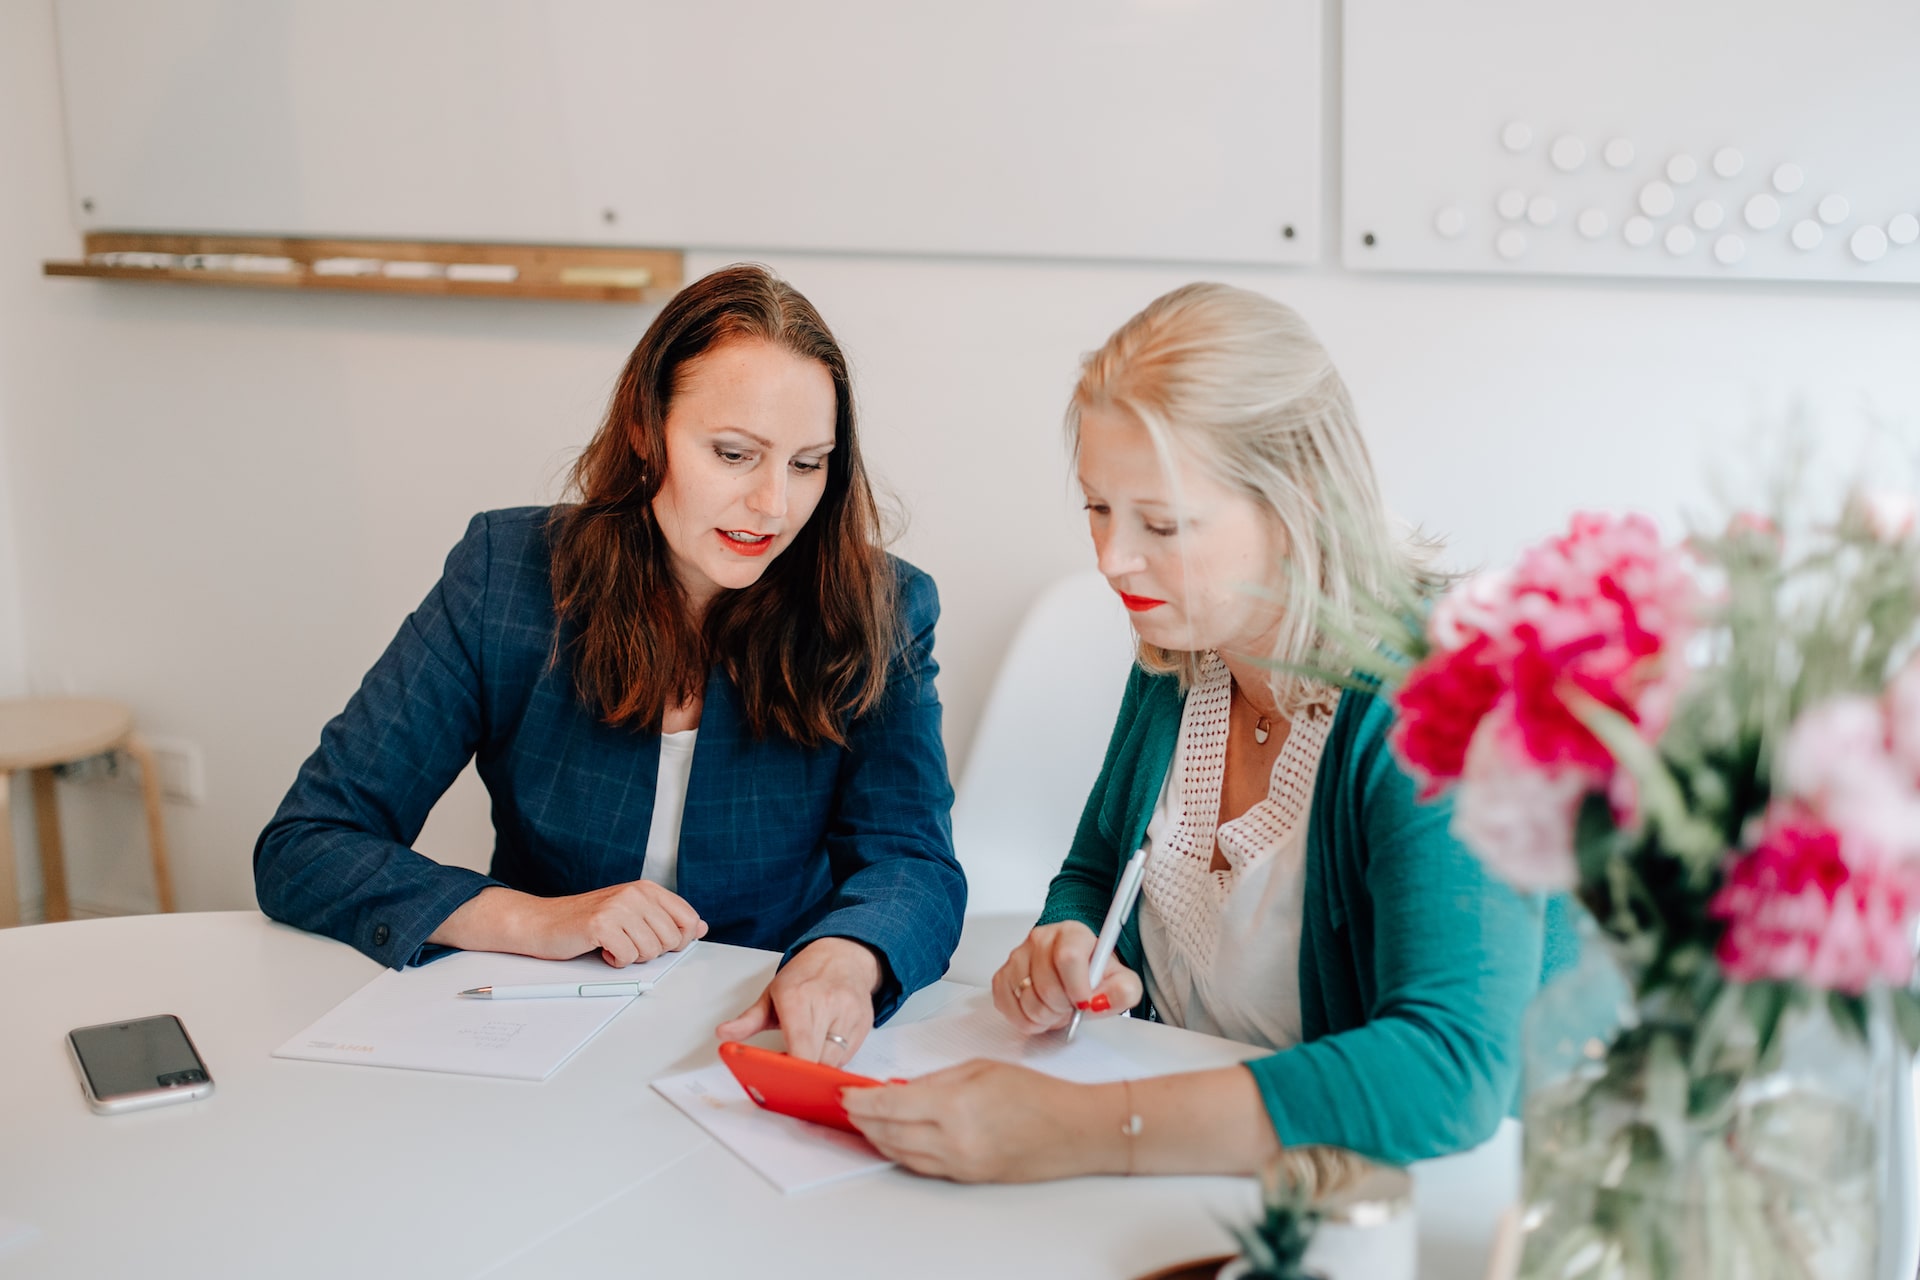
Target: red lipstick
{"points": [[1140, 604], [758, 547]]}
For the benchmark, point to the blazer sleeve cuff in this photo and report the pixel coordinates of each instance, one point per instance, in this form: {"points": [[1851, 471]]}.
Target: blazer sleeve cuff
{"points": [[395, 932]]}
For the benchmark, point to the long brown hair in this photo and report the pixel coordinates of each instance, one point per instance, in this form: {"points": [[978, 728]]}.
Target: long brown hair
{"points": [[807, 644]]}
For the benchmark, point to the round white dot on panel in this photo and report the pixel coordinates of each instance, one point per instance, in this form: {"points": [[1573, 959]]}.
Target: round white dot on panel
{"points": [[1512, 204], [1787, 179], [1903, 228], [1593, 223], [1807, 234], [1619, 153], [1708, 215], [1728, 250], [1517, 136], [1762, 212], [1450, 221], [1833, 210], [1637, 231], [1569, 153], [1869, 243], [1728, 162], [1679, 240], [1541, 211], [1512, 243], [1656, 199], [1683, 169]]}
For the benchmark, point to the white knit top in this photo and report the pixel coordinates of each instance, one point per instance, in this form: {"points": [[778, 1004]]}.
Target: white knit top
{"points": [[1223, 947]]}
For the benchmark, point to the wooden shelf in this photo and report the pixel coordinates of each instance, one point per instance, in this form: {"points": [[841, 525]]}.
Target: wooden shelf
{"points": [[541, 268]]}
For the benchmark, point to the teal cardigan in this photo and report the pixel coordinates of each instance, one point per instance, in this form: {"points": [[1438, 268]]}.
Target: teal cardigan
{"points": [[1415, 966]]}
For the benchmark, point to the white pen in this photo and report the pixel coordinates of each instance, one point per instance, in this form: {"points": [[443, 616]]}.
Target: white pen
{"points": [[1117, 914], [548, 990]]}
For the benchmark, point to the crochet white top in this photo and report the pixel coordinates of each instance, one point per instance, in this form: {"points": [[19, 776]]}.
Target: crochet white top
{"points": [[1223, 947]]}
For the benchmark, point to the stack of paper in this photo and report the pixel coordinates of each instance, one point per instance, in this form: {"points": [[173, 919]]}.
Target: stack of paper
{"points": [[416, 1018], [797, 1156]]}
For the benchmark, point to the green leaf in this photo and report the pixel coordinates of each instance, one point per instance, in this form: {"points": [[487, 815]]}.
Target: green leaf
{"points": [[1710, 1096], [1766, 1004], [1667, 1089], [1713, 1030], [1595, 838], [1849, 1014], [1906, 1017], [1692, 839]]}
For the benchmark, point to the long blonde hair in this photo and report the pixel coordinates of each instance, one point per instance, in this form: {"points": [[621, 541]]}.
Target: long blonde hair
{"points": [[1241, 384]]}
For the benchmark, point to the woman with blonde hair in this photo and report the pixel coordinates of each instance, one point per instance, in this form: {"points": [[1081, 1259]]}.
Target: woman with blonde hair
{"points": [[1297, 895]]}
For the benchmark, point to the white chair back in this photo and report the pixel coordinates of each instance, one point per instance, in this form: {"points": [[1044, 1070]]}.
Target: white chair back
{"points": [[1039, 746]]}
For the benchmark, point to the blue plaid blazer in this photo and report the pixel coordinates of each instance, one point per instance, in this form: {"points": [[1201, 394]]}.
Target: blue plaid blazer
{"points": [[779, 844]]}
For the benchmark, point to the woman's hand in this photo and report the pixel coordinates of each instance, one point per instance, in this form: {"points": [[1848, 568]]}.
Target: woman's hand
{"points": [[1045, 980], [624, 923], [993, 1122], [822, 999]]}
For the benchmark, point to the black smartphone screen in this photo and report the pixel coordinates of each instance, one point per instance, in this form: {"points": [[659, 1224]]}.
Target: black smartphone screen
{"points": [[135, 1056]]}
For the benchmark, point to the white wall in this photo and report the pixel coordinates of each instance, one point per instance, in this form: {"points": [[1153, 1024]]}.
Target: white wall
{"points": [[226, 501]]}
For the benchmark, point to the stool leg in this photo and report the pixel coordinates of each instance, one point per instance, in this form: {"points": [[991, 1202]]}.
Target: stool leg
{"points": [[9, 887], [53, 863], [156, 830]]}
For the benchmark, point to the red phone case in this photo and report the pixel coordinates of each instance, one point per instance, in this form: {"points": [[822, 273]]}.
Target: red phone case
{"points": [[791, 1086]]}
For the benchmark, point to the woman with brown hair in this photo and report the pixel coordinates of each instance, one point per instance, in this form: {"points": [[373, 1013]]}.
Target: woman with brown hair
{"points": [[699, 694]]}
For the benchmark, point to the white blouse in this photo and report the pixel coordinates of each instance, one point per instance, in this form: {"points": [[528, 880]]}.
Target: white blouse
{"points": [[662, 864], [1223, 947]]}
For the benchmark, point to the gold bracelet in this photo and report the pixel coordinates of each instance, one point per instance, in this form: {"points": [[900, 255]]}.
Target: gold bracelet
{"points": [[1130, 1127]]}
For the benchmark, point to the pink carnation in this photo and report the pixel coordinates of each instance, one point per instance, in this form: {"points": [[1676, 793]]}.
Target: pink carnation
{"points": [[1441, 704], [1888, 515], [1841, 761], [1796, 911], [1517, 817], [1602, 610], [1903, 721]]}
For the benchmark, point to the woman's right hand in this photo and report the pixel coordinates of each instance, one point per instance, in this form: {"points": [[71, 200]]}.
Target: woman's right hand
{"points": [[1045, 979], [624, 923]]}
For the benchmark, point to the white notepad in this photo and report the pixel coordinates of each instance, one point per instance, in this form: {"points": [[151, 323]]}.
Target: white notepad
{"points": [[416, 1019], [795, 1155]]}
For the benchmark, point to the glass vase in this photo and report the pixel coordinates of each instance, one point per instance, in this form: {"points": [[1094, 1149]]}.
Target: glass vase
{"points": [[1640, 1162]]}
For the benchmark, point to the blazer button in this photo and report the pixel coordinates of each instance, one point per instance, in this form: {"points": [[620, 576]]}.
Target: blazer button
{"points": [[380, 935]]}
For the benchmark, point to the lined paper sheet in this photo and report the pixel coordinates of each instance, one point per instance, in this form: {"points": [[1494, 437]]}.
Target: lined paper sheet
{"points": [[795, 1155], [416, 1018]]}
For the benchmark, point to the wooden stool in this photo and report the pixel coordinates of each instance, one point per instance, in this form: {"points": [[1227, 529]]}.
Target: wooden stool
{"points": [[38, 733]]}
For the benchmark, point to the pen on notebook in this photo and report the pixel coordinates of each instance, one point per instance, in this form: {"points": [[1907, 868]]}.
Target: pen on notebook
{"points": [[548, 990], [1117, 913]]}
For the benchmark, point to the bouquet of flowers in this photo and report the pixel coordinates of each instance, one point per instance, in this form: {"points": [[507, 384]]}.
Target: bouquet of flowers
{"points": [[1715, 746]]}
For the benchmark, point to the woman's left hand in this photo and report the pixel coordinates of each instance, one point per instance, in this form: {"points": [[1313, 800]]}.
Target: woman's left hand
{"points": [[822, 999], [985, 1122]]}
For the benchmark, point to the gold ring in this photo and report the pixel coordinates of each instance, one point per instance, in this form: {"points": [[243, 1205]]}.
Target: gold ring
{"points": [[1026, 983]]}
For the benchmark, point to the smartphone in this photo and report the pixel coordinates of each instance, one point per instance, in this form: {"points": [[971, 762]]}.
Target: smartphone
{"points": [[145, 1062], [792, 1086]]}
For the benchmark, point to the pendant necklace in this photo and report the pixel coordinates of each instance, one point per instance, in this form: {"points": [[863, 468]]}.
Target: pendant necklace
{"points": [[1261, 728]]}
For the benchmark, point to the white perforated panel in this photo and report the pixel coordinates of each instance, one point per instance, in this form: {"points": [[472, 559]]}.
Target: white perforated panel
{"points": [[1637, 138]]}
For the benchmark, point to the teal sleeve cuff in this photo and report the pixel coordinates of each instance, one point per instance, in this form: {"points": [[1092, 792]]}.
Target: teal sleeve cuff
{"points": [[1077, 902]]}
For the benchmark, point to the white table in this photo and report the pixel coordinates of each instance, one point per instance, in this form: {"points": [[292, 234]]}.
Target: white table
{"points": [[310, 1169]]}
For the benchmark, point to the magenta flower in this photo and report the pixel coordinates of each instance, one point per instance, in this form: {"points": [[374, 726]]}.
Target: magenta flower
{"points": [[1796, 911], [1599, 612]]}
